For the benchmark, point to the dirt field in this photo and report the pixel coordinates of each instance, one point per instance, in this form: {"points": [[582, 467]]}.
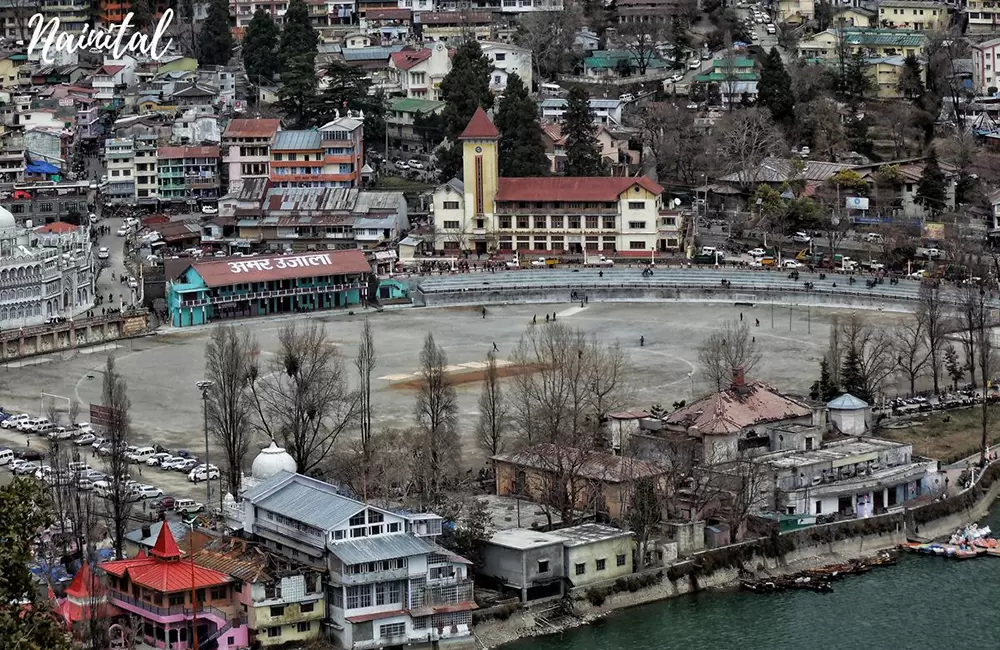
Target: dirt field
{"points": [[461, 377], [947, 436]]}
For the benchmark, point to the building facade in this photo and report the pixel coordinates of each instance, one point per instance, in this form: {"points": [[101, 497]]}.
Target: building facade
{"points": [[218, 289], [187, 174], [329, 157], [419, 72], [985, 75], [918, 15], [388, 583], [246, 150], [119, 156], [485, 213]]}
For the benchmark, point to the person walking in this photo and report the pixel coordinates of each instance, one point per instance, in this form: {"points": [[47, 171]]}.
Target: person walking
{"points": [[642, 341], [495, 348]]}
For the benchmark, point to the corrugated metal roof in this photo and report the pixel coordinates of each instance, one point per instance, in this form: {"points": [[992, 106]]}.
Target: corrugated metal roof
{"points": [[297, 140], [382, 547], [370, 53], [304, 499]]}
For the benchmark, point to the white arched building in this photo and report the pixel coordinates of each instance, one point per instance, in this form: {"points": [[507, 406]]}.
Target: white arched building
{"points": [[43, 273]]}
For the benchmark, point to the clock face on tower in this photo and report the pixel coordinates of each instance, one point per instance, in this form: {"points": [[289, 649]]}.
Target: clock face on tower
{"points": [[479, 150]]}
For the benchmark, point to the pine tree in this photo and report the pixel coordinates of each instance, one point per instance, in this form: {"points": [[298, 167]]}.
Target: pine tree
{"points": [[583, 155], [828, 388], [911, 84], [931, 189], [775, 88], [297, 36], [142, 17], [852, 375], [954, 368], [215, 43], [260, 48], [522, 152], [464, 89], [297, 56]]}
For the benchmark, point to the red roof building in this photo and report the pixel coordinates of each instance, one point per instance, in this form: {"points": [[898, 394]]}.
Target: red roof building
{"points": [[406, 59], [56, 228], [167, 592], [85, 598], [480, 127]]}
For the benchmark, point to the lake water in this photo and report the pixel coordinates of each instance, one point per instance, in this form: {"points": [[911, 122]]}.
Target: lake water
{"points": [[923, 602]]}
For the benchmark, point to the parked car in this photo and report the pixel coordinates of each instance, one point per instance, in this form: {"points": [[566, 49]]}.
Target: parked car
{"points": [[173, 462], [84, 439], [757, 252], [415, 164], [188, 506], [98, 442], [103, 253], [17, 462], [147, 492], [801, 238], [626, 97], [919, 274], [402, 165], [14, 420], [200, 473], [122, 232], [209, 209], [156, 459], [188, 465], [694, 65], [874, 238], [165, 503], [61, 433], [27, 468], [792, 264], [84, 484]]}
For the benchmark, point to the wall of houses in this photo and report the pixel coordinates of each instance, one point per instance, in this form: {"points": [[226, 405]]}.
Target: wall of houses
{"points": [[523, 567], [590, 556]]}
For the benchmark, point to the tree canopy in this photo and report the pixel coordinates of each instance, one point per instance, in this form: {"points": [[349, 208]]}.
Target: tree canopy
{"points": [[464, 89], [583, 153], [297, 35], [522, 152], [260, 48], [215, 45], [775, 88], [932, 192]]}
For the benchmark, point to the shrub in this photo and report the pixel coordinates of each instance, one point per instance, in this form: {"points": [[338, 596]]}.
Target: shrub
{"points": [[596, 596]]}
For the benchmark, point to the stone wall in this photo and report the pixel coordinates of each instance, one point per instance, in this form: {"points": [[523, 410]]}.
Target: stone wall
{"points": [[83, 332]]}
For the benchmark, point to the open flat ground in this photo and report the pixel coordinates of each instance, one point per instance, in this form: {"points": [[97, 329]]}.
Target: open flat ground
{"points": [[162, 370], [946, 435]]}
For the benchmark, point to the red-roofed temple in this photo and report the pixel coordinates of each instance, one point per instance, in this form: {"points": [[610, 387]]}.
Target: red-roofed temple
{"points": [[173, 596]]}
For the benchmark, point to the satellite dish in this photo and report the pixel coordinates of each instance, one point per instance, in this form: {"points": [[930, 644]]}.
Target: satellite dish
{"points": [[677, 201]]}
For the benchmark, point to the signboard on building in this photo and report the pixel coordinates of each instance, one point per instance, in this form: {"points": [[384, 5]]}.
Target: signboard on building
{"points": [[856, 203], [134, 325], [934, 230]]}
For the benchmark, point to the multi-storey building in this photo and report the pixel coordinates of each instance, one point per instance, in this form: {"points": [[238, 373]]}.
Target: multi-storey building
{"points": [[43, 273], [507, 59], [918, 15], [870, 43], [119, 157], [188, 174], [109, 82], [113, 12], [419, 72], [501, 6], [329, 157], [88, 118], [73, 15], [388, 583], [146, 180], [454, 26], [246, 150], [484, 212], [985, 58], [285, 601], [983, 16], [179, 603]]}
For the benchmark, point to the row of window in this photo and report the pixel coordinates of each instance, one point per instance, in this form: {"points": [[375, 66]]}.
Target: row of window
{"points": [[391, 629], [48, 206], [304, 608], [381, 593], [371, 567], [274, 632], [600, 564], [292, 523]]}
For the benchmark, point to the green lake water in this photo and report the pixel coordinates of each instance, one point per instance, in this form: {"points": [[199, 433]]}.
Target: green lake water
{"points": [[923, 602]]}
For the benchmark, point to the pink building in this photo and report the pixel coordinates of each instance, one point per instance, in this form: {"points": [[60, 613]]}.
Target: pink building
{"points": [[178, 601]]}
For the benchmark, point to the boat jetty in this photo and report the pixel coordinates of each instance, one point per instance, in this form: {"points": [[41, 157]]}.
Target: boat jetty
{"points": [[969, 542], [819, 579]]}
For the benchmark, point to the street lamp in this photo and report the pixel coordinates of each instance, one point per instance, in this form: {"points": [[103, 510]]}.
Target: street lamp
{"points": [[204, 386]]}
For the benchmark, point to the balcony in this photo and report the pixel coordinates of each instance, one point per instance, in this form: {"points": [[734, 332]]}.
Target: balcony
{"points": [[502, 208], [132, 603], [370, 577], [438, 595]]}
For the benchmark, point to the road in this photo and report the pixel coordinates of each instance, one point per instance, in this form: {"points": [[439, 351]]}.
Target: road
{"points": [[108, 282]]}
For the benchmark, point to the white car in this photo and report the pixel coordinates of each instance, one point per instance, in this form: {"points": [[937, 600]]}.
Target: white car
{"points": [[103, 253], [133, 283], [98, 442], [919, 274], [694, 65], [414, 164], [605, 261], [26, 469], [147, 492], [677, 77], [801, 238], [14, 420], [874, 238], [174, 462], [122, 232], [62, 433], [539, 262], [757, 252], [200, 474], [156, 459], [188, 465], [402, 165], [209, 209], [626, 97], [791, 264]]}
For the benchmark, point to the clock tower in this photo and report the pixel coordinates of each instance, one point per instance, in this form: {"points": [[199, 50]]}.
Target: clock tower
{"points": [[480, 168]]}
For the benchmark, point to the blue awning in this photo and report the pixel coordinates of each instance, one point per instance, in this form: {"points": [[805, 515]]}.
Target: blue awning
{"points": [[41, 167]]}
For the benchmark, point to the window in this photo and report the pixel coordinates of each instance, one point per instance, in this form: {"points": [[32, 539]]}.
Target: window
{"points": [[636, 205], [505, 222], [636, 245], [421, 622], [273, 632], [218, 593], [557, 222], [304, 627], [637, 225], [574, 222], [305, 608], [609, 223], [539, 222], [501, 56], [580, 568], [620, 559], [338, 534], [278, 611], [380, 593], [176, 599], [602, 564], [669, 221], [451, 205], [543, 566], [359, 596], [392, 629], [522, 222], [819, 507], [394, 528], [337, 597], [357, 520]]}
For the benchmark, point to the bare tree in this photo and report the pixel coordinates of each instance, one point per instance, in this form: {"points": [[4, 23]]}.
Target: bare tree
{"points": [[304, 400], [731, 347], [493, 422], [745, 139], [743, 490], [560, 406], [970, 313], [645, 513], [932, 311], [679, 149], [550, 36], [230, 357], [909, 342], [74, 412], [365, 362], [436, 413], [978, 339], [872, 352], [120, 501], [640, 40]]}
